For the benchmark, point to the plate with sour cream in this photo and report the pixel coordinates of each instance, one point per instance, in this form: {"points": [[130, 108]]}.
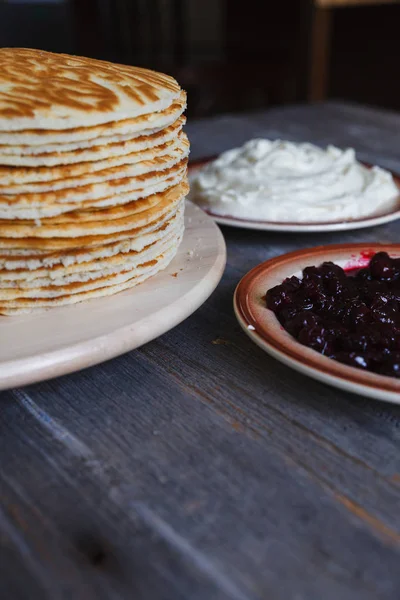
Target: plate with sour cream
{"points": [[276, 185]]}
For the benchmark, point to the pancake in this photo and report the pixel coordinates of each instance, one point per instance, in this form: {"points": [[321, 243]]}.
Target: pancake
{"points": [[91, 270], [99, 152], [40, 212], [10, 176], [58, 264], [37, 141], [28, 246], [108, 285], [102, 222], [42, 90], [93, 237], [92, 191], [14, 180], [14, 259], [97, 196], [28, 305]]}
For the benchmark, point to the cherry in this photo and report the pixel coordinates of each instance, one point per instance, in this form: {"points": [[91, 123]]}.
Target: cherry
{"points": [[278, 298], [381, 266], [315, 337], [303, 319]]}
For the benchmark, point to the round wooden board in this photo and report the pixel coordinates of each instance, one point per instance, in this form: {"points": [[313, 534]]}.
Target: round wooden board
{"points": [[61, 340]]}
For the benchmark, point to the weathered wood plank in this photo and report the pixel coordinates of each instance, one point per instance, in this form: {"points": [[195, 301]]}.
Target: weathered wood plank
{"points": [[193, 469], [235, 490]]}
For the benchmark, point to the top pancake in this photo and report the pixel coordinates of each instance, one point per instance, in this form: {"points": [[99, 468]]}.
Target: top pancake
{"points": [[42, 90]]}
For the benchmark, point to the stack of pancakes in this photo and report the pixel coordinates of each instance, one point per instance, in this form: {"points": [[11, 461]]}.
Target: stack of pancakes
{"points": [[93, 177]]}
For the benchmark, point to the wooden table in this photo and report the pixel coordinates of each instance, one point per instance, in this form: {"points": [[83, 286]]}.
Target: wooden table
{"points": [[198, 468]]}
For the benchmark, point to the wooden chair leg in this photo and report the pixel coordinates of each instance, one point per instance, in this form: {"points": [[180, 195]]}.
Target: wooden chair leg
{"points": [[319, 56]]}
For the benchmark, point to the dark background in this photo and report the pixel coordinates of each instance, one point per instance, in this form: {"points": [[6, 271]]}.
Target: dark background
{"points": [[231, 55]]}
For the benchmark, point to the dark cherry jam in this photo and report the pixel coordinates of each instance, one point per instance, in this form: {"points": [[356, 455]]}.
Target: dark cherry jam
{"points": [[352, 317]]}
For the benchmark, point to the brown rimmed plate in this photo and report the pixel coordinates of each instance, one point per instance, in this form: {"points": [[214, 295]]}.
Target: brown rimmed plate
{"points": [[264, 329], [379, 219]]}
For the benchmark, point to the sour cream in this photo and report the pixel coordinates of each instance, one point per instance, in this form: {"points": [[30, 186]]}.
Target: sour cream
{"points": [[282, 181]]}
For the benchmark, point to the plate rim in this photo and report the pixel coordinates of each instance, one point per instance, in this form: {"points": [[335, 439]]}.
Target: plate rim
{"points": [[83, 354], [302, 358], [283, 227]]}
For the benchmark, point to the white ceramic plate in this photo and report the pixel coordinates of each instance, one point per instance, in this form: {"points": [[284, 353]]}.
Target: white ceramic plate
{"points": [[62, 340], [380, 219], [264, 329]]}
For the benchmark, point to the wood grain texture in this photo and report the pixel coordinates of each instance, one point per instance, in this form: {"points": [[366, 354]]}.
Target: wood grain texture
{"points": [[198, 467]]}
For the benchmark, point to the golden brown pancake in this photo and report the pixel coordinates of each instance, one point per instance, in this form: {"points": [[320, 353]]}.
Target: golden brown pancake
{"points": [[21, 165], [42, 90]]}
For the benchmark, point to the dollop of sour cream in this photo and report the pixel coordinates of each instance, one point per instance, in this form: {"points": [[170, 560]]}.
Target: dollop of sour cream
{"points": [[282, 181]]}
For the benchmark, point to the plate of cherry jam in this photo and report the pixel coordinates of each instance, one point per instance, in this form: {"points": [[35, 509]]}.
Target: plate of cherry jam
{"points": [[330, 312]]}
